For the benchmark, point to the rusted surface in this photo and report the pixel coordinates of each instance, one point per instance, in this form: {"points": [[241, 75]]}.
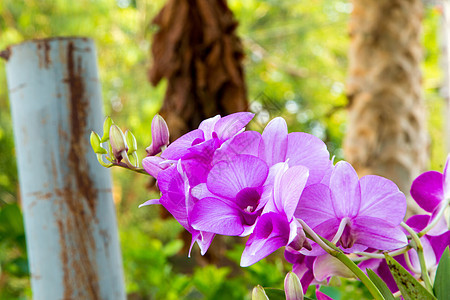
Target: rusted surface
{"points": [[43, 47], [6, 54], [79, 195]]}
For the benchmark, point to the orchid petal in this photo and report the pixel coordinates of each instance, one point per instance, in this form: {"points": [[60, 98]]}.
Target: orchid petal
{"points": [[439, 243], [322, 296], [382, 199], [326, 266], [150, 202], [376, 233], [180, 147], [346, 195], [446, 178], [427, 190], [201, 191], [204, 241], [274, 142], [228, 126], [207, 126], [246, 142], [271, 233], [154, 164], [309, 151], [315, 206], [287, 194], [227, 178], [214, 215]]}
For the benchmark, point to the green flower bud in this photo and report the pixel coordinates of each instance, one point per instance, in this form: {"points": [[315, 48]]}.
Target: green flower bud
{"points": [[96, 143], [106, 126], [118, 142], [258, 293], [292, 287], [131, 142]]}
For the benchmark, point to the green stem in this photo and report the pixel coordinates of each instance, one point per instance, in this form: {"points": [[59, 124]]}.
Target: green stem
{"points": [[419, 249], [336, 252], [435, 220], [369, 255]]}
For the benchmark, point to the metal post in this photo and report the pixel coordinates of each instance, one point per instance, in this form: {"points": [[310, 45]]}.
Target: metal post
{"points": [[69, 214]]}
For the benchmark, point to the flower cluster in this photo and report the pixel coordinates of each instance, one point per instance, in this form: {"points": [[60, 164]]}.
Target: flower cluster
{"points": [[274, 187]]}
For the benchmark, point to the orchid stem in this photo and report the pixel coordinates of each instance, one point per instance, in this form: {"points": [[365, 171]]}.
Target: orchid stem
{"points": [[368, 255], [435, 220], [314, 236], [336, 252], [419, 249]]}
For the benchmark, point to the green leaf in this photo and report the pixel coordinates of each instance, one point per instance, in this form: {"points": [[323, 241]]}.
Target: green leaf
{"points": [[441, 283], [381, 285], [410, 288]]}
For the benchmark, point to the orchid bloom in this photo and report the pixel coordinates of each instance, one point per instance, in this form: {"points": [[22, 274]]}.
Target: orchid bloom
{"points": [[229, 202], [196, 148], [296, 148], [177, 199], [275, 145], [354, 213], [277, 226]]}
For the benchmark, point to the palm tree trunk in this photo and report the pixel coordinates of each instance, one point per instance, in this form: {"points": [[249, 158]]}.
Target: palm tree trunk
{"points": [[387, 125], [197, 51]]}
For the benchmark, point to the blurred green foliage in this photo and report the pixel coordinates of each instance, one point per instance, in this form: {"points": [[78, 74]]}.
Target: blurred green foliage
{"points": [[296, 66]]}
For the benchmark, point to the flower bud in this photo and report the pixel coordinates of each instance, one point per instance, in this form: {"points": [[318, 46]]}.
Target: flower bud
{"points": [[96, 144], [160, 136], [131, 142], [117, 140], [292, 287], [106, 126], [258, 293]]}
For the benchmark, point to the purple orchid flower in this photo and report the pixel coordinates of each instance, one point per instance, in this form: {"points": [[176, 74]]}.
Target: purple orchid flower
{"points": [[229, 202], [296, 148], [177, 199], [275, 145], [196, 148], [354, 213], [431, 191], [277, 226]]}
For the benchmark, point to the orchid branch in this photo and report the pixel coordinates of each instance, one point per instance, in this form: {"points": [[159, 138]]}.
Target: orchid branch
{"points": [[419, 249]]}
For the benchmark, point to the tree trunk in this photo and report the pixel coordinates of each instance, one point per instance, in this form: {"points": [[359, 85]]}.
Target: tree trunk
{"points": [[197, 51], [387, 124], [445, 67], [71, 230]]}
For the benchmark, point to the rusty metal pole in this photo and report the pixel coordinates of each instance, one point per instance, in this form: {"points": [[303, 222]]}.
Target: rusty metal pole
{"points": [[69, 215]]}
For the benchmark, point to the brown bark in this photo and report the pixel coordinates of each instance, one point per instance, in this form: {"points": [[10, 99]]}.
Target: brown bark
{"points": [[197, 51], [387, 128]]}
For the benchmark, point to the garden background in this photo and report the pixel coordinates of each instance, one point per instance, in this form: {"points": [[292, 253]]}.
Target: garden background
{"points": [[296, 66]]}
